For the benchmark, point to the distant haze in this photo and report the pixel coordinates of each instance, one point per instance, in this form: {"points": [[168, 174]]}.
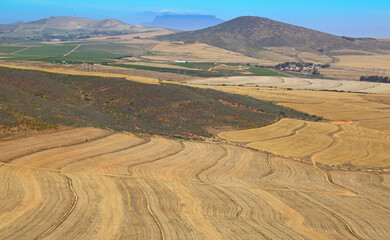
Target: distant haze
{"points": [[184, 22], [344, 18]]}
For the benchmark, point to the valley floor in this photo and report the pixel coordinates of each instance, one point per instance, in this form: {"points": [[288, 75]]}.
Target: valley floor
{"points": [[88, 183]]}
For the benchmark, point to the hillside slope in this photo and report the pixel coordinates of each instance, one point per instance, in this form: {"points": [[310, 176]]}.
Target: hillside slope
{"points": [[38, 100], [249, 34], [61, 27]]}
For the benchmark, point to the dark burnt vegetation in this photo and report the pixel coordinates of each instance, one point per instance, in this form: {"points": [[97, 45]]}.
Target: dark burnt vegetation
{"points": [[48, 100]]}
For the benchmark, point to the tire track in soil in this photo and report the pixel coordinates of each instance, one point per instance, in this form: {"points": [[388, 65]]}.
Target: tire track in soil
{"points": [[70, 210], [366, 148], [238, 214], [145, 141], [211, 166], [239, 208], [150, 210], [382, 180], [127, 192], [327, 175], [378, 204], [384, 187], [129, 168], [74, 49], [346, 224], [271, 170], [24, 49], [55, 147], [294, 131]]}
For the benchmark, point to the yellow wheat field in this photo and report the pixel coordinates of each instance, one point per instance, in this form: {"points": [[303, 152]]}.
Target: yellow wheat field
{"points": [[282, 128], [360, 147], [371, 111], [119, 186], [373, 62], [198, 52], [299, 138], [297, 83], [81, 73], [315, 58], [365, 143]]}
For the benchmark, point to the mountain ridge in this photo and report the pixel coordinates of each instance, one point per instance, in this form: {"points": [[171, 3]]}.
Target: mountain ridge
{"points": [[59, 27], [248, 35], [184, 22]]}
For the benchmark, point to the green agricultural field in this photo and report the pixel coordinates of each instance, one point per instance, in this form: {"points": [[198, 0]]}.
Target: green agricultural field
{"points": [[96, 55], [203, 65], [258, 71], [10, 49], [196, 73], [89, 51], [201, 70], [48, 50]]}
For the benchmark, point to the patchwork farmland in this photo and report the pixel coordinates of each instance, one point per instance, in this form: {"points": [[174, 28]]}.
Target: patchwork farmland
{"points": [[131, 137]]}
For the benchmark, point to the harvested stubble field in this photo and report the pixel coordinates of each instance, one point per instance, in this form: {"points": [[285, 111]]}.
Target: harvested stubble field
{"points": [[289, 137], [364, 61], [356, 137], [97, 184], [296, 83], [198, 52]]}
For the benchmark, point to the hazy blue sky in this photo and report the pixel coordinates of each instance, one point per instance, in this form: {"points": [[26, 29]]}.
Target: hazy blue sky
{"points": [[358, 18]]}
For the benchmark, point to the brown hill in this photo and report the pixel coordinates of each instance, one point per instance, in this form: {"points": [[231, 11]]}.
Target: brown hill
{"points": [[249, 34], [58, 27], [42, 100]]}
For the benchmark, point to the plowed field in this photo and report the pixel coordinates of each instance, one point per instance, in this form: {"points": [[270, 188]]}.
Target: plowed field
{"points": [[88, 183]]}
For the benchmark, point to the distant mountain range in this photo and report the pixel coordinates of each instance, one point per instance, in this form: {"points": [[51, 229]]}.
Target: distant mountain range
{"points": [[67, 28], [184, 22], [248, 35]]}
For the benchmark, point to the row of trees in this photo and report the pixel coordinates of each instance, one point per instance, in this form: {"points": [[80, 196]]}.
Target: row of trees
{"points": [[380, 79]]}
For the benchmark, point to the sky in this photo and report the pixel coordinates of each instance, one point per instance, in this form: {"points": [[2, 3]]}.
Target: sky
{"points": [[358, 18]]}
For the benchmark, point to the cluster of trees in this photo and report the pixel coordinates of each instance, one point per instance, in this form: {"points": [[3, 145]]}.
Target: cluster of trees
{"points": [[300, 65], [379, 79]]}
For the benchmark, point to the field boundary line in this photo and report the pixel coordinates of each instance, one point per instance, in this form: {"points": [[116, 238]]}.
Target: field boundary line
{"points": [[129, 168], [127, 193], [55, 147], [271, 170], [366, 148], [70, 210], [380, 205], [293, 132], [382, 180], [213, 165], [238, 214], [327, 175], [239, 208], [21, 50], [346, 224], [74, 49], [145, 141], [150, 210]]}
